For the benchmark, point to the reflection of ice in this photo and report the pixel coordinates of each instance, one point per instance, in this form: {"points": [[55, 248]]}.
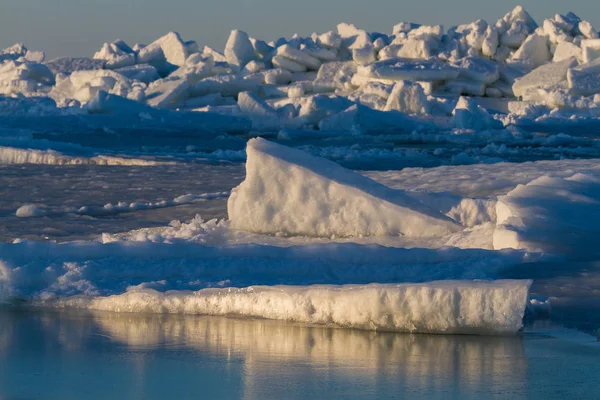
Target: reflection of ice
{"points": [[272, 349]]}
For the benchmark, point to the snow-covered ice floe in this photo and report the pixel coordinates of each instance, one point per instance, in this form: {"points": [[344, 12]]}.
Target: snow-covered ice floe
{"points": [[465, 307]]}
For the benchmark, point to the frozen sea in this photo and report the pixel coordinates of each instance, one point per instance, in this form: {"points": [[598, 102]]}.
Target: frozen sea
{"points": [[75, 200]]}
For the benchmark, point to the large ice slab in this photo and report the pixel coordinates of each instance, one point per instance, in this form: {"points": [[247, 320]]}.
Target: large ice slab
{"points": [[584, 80], [449, 307], [545, 76], [291, 192]]}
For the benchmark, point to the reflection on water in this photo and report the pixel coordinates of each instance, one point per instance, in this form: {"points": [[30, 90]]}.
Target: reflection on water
{"points": [[152, 356]]}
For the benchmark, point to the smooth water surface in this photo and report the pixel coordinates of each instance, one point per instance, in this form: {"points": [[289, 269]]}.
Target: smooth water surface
{"points": [[76, 355]]}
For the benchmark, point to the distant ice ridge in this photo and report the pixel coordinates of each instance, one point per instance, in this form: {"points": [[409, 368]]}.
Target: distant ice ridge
{"points": [[12, 155], [346, 79], [469, 307]]}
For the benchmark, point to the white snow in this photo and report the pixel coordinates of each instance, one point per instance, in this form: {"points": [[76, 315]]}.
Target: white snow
{"points": [[584, 80], [408, 97], [469, 115], [551, 214], [239, 50], [288, 191], [545, 76], [29, 210], [465, 307], [533, 52]]}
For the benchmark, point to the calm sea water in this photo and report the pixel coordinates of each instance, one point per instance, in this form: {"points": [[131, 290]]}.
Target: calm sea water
{"points": [[82, 355]]}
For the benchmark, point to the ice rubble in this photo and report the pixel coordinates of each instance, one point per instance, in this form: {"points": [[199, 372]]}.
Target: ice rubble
{"points": [[552, 65], [291, 192], [436, 307]]}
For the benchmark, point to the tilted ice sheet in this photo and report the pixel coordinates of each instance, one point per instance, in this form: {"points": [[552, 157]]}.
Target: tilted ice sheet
{"points": [[290, 191], [494, 307]]}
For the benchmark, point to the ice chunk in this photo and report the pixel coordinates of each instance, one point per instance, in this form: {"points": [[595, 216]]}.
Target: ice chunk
{"points": [[239, 50], [555, 32], [196, 68], [288, 64], [29, 210], [469, 115], [261, 47], [450, 307], [566, 50], [364, 55], [478, 69], [591, 49], [227, 85], [534, 51], [67, 65], [84, 85], [404, 27], [321, 54], [299, 57], [260, 113], [408, 97], [165, 52], [114, 55], [519, 14], [253, 67], [143, 72], [587, 30], [352, 37], [551, 214], [417, 48], [544, 77], [398, 69], [329, 40], [490, 43], [364, 120], [278, 77], [434, 32], [315, 108], [334, 75], [584, 80], [209, 51], [164, 92], [288, 191], [465, 87]]}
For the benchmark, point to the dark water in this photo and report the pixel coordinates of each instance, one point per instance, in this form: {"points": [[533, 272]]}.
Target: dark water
{"points": [[76, 355]]}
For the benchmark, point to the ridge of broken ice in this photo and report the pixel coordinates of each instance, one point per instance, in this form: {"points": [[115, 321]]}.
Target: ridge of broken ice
{"points": [[276, 85]]}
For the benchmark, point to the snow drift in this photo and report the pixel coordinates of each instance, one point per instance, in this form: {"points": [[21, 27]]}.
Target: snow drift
{"points": [[291, 192], [495, 307], [558, 215]]}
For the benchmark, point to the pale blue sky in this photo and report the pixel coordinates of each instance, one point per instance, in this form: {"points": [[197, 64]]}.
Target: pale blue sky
{"points": [[79, 27]]}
